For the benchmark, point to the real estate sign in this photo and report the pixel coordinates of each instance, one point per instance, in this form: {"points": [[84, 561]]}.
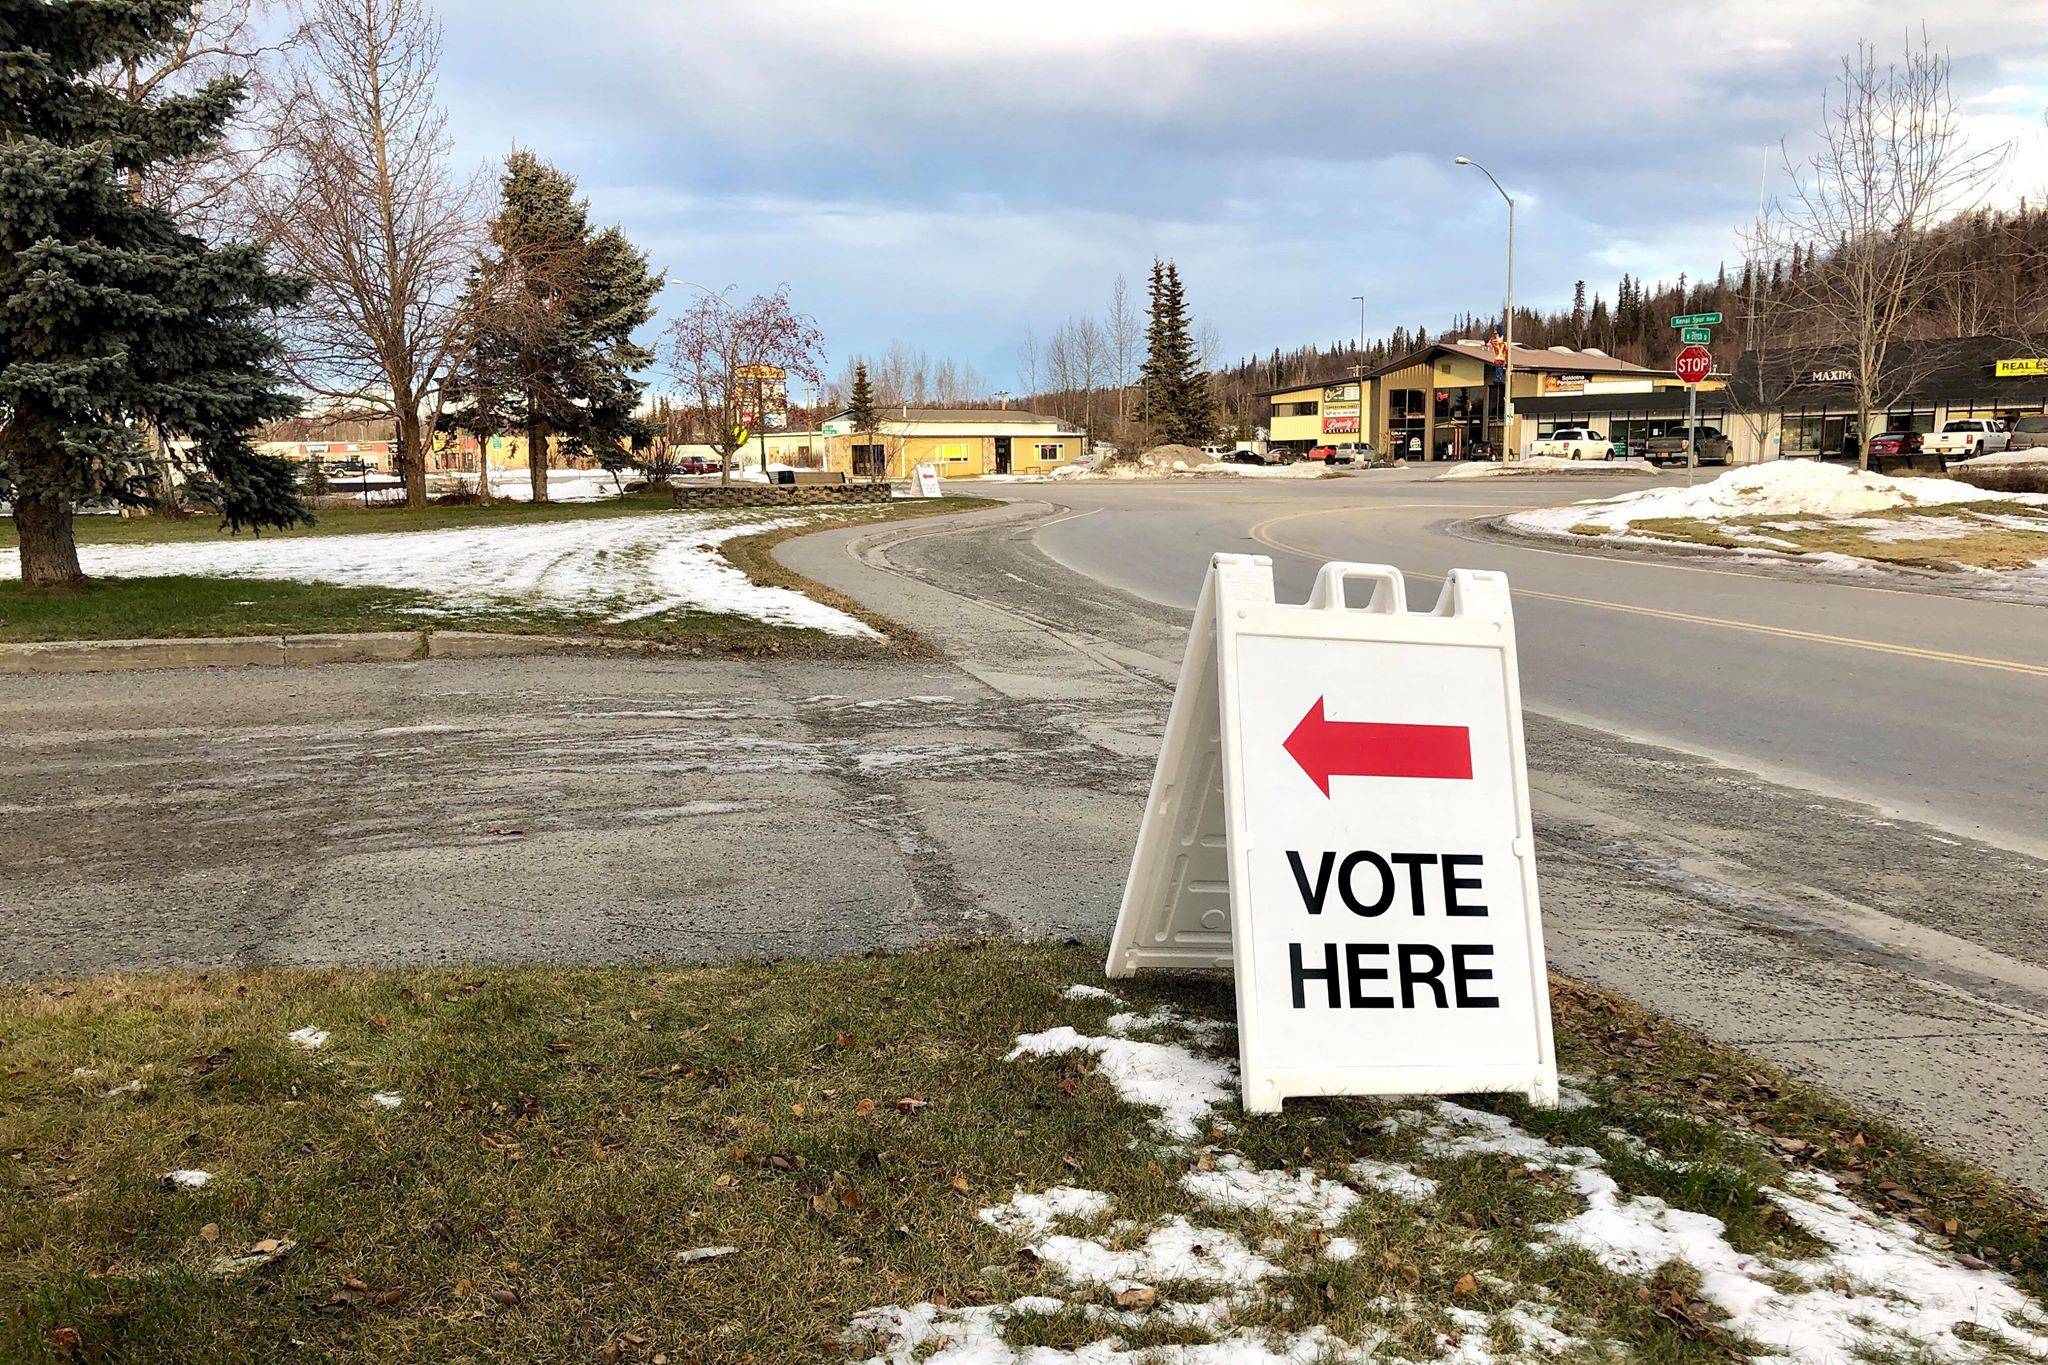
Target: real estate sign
{"points": [[2021, 367], [1341, 410]]}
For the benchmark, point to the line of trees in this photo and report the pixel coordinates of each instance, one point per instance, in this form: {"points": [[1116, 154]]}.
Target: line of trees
{"points": [[222, 213]]}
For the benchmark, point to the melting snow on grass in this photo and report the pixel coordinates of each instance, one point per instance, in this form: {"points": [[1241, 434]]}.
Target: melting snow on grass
{"points": [[310, 1038], [1183, 1086], [618, 568], [1878, 1287], [1785, 488]]}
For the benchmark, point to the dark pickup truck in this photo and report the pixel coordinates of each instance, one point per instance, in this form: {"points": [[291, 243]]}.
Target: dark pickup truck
{"points": [[1709, 446]]}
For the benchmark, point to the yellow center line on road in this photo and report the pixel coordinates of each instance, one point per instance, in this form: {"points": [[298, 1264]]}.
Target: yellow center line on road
{"points": [[1262, 533]]}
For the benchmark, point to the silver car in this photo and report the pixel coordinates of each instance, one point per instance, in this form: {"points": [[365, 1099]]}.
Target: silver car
{"points": [[2029, 433]]}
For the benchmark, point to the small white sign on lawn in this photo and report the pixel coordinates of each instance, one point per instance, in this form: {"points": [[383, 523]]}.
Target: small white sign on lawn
{"points": [[928, 481], [1341, 814]]}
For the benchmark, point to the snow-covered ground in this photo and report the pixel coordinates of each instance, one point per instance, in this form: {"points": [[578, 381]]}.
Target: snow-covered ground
{"points": [[1875, 1288], [1780, 488], [1545, 464], [614, 568], [1123, 470], [2031, 455]]}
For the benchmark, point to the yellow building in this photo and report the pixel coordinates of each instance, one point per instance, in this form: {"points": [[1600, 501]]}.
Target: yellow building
{"points": [[1443, 402], [958, 442]]}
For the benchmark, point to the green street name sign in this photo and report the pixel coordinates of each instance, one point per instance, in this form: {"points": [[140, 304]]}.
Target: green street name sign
{"points": [[1695, 320], [1691, 335]]}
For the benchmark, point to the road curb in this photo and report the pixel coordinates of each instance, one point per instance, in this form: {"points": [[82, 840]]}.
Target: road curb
{"points": [[292, 651]]}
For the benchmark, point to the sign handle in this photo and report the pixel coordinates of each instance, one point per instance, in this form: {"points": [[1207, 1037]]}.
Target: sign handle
{"points": [[1389, 594]]}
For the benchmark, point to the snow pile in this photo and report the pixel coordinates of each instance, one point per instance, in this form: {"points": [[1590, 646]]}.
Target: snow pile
{"points": [[1545, 464], [620, 568], [310, 1037], [1877, 1288], [516, 485], [1783, 488], [1301, 469], [2031, 455], [1182, 1085]]}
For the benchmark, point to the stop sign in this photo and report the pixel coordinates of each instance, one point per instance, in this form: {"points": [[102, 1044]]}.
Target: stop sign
{"points": [[1694, 363]]}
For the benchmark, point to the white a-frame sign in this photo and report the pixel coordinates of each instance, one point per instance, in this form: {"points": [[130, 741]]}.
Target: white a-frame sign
{"points": [[1341, 815]]}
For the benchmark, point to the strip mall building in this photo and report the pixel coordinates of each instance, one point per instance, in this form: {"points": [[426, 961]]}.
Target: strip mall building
{"points": [[1435, 404]]}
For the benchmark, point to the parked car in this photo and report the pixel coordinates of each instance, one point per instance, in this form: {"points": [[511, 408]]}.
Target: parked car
{"points": [[1961, 438], [1573, 443], [1896, 443], [2029, 433], [1355, 452], [1322, 453], [1709, 446], [696, 464]]}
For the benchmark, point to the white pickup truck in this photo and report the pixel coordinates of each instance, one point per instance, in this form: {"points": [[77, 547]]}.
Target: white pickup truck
{"points": [[1962, 438], [1573, 443]]}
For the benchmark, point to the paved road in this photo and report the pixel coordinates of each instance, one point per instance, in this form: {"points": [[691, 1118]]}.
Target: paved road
{"points": [[1926, 705], [1896, 963]]}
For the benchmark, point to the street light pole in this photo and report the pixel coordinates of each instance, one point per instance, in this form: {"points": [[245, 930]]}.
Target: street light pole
{"points": [[1359, 299], [1507, 422]]}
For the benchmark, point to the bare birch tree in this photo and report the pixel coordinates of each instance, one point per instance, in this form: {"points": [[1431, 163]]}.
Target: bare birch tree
{"points": [[1124, 331], [1893, 164], [372, 212]]}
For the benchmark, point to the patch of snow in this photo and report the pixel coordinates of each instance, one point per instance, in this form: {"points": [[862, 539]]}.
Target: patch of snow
{"points": [[1341, 1249], [1035, 1215], [1183, 1086], [310, 1037], [620, 568], [1087, 992], [189, 1180], [1544, 464], [1292, 1196], [1301, 469], [926, 1333], [1168, 1020], [1176, 1251], [386, 1099], [1390, 1177], [1792, 488]]}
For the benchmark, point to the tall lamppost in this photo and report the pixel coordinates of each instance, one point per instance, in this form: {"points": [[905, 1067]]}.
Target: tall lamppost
{"points": [[1359, 299], [1507, 372]]}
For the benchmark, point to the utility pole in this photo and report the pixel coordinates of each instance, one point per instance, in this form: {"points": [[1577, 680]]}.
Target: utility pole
{"points": [[1507, 422]]}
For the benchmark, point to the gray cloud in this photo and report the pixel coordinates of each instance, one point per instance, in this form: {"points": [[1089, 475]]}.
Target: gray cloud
{"points": [[926, 171]]}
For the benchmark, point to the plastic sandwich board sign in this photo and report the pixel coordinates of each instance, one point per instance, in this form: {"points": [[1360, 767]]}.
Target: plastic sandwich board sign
{"points": [[1341, 815], [928, 481]]}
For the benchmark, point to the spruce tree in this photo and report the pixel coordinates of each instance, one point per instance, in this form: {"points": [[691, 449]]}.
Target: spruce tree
{"points": [[860, 410], [1173, 393], [113, 321], [553, 307]]}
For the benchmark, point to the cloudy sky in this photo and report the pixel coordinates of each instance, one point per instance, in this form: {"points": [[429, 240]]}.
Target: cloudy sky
{"points": [[947, 173]]}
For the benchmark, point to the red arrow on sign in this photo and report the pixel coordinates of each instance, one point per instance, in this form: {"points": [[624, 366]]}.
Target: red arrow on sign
{"points": [[1363, 748]]}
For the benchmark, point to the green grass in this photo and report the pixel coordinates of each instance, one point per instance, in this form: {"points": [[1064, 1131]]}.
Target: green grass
{"points": [[157, 608], [342, 521], [566, 1132], [187, 606]]}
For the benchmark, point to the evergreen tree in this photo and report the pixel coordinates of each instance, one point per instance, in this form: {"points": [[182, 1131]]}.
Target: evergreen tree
{"points": [[1173, 394], [116, 321], [554, 307], [860, 410]]}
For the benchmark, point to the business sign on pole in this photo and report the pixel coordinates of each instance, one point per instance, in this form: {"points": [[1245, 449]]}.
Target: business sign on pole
{"points": [[1693, 364], [763, 394], [928, 481], [1341, 816]]}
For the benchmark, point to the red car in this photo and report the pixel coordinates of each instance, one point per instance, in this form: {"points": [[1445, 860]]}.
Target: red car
{"points": [[1897, 443], [696, 464]]}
